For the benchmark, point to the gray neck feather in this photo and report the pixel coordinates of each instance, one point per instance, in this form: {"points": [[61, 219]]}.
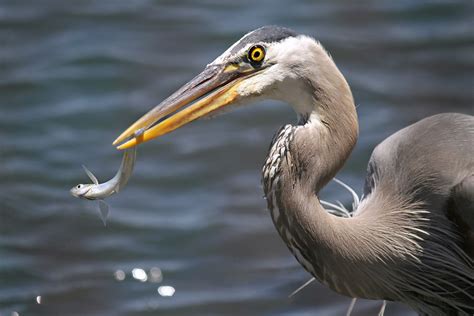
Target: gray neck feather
{"points": [[369, 255], [301, 160]]}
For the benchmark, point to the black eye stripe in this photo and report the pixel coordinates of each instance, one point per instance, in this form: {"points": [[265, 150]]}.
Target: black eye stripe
{"points": [[266, 34]]}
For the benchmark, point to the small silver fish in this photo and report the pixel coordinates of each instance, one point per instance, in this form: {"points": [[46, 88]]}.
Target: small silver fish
{"points": [[99, 191]]}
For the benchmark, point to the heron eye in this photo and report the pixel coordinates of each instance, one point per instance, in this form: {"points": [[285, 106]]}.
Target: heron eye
{"points": [[256, 53]]}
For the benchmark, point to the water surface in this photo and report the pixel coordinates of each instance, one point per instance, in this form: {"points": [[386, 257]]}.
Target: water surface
{"points": [[74, 74]]}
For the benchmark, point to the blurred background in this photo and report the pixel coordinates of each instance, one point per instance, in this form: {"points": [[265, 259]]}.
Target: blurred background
{"points": [[190, 235]]}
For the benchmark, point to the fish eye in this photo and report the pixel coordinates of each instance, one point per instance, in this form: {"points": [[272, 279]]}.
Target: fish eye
{"points": [[256, 54], [79, 186]]}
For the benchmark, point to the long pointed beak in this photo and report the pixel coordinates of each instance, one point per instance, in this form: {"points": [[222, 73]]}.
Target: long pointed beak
{"points": [[212, 89]]}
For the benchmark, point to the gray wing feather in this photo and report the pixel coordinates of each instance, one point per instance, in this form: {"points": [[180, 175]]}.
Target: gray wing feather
{"points": [[463, 198], [462, 211]]}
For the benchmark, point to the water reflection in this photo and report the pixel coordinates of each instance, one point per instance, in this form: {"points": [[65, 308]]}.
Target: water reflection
{"points": [[74, 74], [153, 304], [166, 290], [156, 276], [119, 275], [139, 274]]}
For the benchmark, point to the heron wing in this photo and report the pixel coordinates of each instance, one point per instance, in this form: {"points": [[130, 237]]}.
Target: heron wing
{"points": [[462, 209]]}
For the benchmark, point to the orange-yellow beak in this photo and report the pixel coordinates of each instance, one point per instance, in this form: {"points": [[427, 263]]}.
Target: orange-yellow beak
{"points": [[211, 90]]}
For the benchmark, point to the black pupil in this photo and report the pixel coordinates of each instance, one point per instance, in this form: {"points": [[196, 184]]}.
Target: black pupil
{"points": [[78, 186], [256, 54]]}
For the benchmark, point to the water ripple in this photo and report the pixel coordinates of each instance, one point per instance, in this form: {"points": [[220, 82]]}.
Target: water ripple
{"points": [[190, 234]]}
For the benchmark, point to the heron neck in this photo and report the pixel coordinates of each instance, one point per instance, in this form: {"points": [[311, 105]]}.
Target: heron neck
{"points": [[302, 159], [327, 127]]}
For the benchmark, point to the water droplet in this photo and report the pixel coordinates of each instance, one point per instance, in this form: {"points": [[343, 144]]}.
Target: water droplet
{"points": [[139, 274], [166, 290], [119, 275]]}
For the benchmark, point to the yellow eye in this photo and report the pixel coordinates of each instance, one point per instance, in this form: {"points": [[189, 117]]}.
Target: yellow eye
{"points": [[256, 53]]}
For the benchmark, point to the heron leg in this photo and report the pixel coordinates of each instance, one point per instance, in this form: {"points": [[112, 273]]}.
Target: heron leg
{"points": [[382, 309], [351, 307]]}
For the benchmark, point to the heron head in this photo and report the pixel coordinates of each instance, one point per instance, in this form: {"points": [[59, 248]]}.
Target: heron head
{"points": [[268, 63]]}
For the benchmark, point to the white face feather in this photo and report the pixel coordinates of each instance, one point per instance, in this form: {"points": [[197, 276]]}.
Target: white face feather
{"points": [[293, 64]]}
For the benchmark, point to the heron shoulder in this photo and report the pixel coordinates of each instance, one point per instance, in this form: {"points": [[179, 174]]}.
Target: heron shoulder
{"points": [[437, 152]]}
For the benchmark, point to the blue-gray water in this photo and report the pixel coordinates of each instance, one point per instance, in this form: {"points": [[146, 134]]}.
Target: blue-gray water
{"points": [[74, 74]]}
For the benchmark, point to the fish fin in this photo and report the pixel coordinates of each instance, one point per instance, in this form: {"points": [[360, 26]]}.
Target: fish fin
{"points": [[104, 211], [90, 175]]}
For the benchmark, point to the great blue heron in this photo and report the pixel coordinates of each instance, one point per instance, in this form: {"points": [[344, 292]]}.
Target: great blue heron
{"points": [[412, 237]]}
